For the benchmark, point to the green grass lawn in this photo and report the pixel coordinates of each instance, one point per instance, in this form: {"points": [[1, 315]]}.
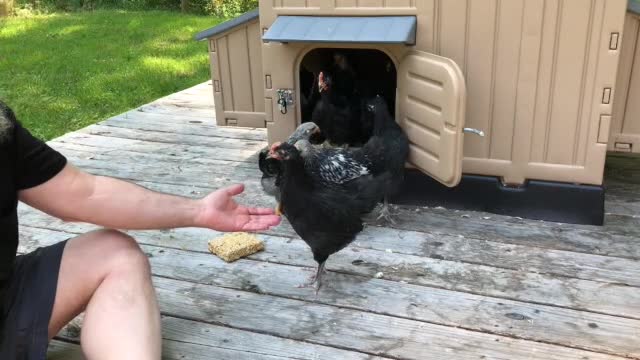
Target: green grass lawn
{"points": [[62, 72]]}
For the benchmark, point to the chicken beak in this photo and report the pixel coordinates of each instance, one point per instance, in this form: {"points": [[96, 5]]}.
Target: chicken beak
{"points": [[279, 209]]}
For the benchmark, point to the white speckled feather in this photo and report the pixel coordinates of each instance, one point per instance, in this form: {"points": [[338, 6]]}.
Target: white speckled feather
{"points": [[338, 168]]}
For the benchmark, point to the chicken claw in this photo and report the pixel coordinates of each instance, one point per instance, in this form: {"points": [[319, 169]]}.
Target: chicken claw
{"points": [[386, 214], [315, 281]]}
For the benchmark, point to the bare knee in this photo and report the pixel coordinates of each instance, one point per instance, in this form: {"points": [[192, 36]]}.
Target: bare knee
{"points": [[123, 252]]}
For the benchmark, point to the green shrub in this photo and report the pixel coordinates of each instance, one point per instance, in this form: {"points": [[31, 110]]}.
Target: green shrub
{"points": [[220, 8], [230, 8]]}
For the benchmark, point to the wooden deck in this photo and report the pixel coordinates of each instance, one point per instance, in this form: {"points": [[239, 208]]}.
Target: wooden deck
{"points": [[456, 285]]}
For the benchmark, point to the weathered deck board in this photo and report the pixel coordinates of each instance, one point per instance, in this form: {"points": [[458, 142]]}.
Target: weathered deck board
{"points": [[478, 279], [511, 318], [365, 332], [207, 116], [438, 247], [172, 138], [179, 350], [180, 125], [361, 331], [218, 342], [454, 287]]}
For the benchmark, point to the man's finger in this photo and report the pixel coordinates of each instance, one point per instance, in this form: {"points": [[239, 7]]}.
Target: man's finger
{"points": [[234, 190], [261, 222], [261, 211]]}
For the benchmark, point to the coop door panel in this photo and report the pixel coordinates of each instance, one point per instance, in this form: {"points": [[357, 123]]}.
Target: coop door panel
{"points": [[237, 76], [431, 105], [625, 126]]}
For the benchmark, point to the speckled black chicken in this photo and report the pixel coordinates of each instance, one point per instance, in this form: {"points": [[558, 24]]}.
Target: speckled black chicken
{"points": [[327, 215], [384, 154]]}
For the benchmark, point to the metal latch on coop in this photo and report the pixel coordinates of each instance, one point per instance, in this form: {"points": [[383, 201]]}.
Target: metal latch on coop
{"points": [[473, 131], [285, 99]]}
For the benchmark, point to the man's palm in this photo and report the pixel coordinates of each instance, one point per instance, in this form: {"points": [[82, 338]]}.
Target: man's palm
{"points": [[222, 213]]}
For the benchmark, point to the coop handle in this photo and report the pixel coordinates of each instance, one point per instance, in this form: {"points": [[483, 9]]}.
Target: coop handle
{"points": [[473, 131]]}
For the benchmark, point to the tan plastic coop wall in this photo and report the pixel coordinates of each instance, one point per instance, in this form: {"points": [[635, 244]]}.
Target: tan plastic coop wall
{"points": [[540, 76], [625, 125], [236, 71]]}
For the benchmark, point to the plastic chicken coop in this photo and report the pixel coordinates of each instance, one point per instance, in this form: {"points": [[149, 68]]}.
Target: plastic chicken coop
{"points": [[625, 125], [538, 77]]}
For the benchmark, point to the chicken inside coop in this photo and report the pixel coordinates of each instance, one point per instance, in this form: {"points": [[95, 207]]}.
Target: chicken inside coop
{"points": [[336, 83]]}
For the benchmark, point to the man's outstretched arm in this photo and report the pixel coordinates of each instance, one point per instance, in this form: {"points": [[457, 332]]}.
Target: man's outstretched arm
{"points": [[74, 195]]}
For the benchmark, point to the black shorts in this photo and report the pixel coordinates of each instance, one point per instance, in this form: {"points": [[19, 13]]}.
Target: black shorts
{"points": [[28, 303]]}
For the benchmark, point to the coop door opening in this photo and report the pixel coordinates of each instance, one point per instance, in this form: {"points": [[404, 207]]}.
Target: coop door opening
{"points": [[349, 77]]}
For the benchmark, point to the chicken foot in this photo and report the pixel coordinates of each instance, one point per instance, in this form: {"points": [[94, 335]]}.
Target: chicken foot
{"points": [[315, 280], [386, 213]]}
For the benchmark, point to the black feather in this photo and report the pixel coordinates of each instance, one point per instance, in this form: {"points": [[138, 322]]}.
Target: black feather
{"points": [[270, 169]]}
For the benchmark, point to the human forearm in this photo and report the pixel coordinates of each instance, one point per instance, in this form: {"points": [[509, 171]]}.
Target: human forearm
{"points": [[119, 204], [77, 196], [74, 195]]}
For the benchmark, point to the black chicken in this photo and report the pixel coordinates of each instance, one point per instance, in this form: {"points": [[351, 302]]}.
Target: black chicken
{"points": [[270, 167], [337, 115], [387, 149], [344, 73], [372, 79], [326, 215]]}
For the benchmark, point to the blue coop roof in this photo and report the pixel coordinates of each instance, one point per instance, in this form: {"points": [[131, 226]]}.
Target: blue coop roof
{"points": [[341, 29], [227, 25]]}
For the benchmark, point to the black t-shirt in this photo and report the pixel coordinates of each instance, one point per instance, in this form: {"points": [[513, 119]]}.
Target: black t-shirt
{"points": [[25, 162]]}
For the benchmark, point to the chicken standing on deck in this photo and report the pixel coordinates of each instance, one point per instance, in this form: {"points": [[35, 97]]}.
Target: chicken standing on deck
{"points": [[327, 216], [387, 150]]}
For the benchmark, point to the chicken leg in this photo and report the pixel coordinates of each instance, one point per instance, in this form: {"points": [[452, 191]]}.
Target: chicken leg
{"points": [[385, 212], [315, 280]]}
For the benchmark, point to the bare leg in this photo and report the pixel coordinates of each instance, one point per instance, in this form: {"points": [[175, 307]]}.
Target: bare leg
{"points": [[385, 212], [105, 274], [316, 280]]}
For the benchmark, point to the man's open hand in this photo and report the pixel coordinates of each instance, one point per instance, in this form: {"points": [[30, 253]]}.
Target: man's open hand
{"points": [[221, 212]]}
